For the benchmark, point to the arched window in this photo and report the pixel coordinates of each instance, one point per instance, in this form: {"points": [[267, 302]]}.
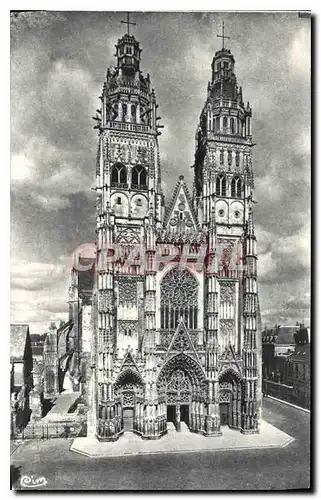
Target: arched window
{"points": [[179, 299], [237, 158], [124, 112], [222, 157], [133, 112], [139, 177], [232, 126], [225, 122], [236, 187], [218, 124], [119, 176], [220, 185]]}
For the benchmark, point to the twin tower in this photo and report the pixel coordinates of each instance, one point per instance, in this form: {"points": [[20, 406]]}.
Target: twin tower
{"points": [[169, 334]]}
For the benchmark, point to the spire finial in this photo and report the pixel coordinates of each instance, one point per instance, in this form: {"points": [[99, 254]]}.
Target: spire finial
{"points": [[128, 23], [223, 36]]}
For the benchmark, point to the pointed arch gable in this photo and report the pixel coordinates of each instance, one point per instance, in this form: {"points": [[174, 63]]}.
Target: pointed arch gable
{"points": [[230, 372], [129, 374], [185, 363]]}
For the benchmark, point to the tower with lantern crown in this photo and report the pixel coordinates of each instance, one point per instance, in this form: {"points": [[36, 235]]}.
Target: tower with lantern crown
{"points": [[174, 313], [223, 199]]}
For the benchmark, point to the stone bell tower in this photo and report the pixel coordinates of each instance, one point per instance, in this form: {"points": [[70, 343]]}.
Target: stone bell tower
{"points": [[223, 186], [129, 209]]}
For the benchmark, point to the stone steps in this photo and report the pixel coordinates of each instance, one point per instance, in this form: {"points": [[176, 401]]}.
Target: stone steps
{"points": [[184, 428]]}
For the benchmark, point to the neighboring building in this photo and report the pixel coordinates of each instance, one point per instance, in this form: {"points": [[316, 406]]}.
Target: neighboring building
{"points": [[37, 343], [277, 345], [59, 360], [298, 368], [164, 327], [21, 379], [286, 369]]}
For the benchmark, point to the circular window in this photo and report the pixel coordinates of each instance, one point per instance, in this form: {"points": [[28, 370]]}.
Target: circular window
{"points": [[221, 213], [237, 214]]}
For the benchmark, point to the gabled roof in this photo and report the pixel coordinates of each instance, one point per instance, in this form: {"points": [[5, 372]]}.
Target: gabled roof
{"points": [[19, 336], [129, 362], [301, 353], [285, 334], [181, 342], [180, 214], [229, 360]]}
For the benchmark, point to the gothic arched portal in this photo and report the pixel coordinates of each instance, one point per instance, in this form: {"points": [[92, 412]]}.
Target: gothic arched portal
{"points": [[129, 397], [181, 389], [230, 398]]}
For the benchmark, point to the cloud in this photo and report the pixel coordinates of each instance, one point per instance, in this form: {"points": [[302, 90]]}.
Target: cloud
{"points": [[285, 259], [39, 293], [58, 63], [36, 276], [20, 168], [299, 60]]}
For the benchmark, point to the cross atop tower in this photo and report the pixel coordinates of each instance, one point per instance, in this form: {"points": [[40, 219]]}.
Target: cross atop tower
{"points": [[223, 36], [128, 23]]}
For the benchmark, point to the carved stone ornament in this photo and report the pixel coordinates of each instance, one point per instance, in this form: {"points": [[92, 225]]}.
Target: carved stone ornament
{"points": [[227, 291], [178, 382], [128, 235], [105, 300], [127, 325], [179, 287], [127, 290], [117, 153], [181, 342], [227, 328]]}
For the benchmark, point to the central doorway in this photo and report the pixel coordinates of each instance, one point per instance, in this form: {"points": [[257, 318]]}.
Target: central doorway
{"points": [[128, 419], [224, 413], [185, 414], [171, 413]]}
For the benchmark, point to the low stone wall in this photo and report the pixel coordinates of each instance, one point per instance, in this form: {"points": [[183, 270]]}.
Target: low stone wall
{"points": [[285, 392], [51, 430]]}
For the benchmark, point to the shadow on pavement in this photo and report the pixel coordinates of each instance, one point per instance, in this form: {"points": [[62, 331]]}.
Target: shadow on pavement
{"points": [[15, 474]]}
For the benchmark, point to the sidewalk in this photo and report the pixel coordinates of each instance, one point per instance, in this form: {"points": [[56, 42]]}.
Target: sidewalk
{"points": [[14, 445], [179, 442], [287, 403]]}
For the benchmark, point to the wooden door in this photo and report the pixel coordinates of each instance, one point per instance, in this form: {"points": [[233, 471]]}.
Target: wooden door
{"points": [[128, 419], [224, 407], [185, 414]]}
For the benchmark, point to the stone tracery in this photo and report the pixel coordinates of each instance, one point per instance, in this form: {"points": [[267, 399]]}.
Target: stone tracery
{"points": [[179, 298]]}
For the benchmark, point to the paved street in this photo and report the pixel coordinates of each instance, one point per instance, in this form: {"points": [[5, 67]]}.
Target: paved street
{"points": [[261, 469]]}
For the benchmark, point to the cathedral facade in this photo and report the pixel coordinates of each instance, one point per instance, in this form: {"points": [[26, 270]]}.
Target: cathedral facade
{"points": [[169, 332]]}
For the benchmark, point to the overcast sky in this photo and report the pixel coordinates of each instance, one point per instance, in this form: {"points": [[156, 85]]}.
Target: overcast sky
{"points": [[58, 64]]}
